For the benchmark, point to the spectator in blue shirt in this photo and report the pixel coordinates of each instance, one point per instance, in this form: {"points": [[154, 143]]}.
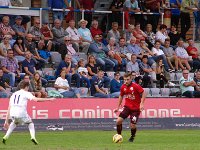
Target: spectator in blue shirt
{"points": [[115, 85], [175, 4]]}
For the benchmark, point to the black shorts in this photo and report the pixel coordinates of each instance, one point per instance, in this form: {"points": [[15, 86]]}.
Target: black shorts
{"points": [[134, 114]]}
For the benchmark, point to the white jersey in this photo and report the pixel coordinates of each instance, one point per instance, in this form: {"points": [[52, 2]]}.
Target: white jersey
{"points": [[18, 103]]}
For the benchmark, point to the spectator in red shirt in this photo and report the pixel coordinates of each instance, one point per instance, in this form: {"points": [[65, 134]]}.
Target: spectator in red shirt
{"points": [[87, 5], [95, 30], [193, 51], [138, 33], [133, 104]]}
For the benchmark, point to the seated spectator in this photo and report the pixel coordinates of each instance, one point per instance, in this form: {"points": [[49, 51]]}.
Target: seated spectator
{"points": [[138, 33], [19, 49], [151, 37], [10, 66], [161, 74], [6, 29], [96, 30], [97, 86], [76, 38], [69, 68], [3, 86], [182, 54], [68, 49], [18, 27], [4, 46], [128, 33], [114, 32], [115, 85], [148, 74], [193, 51], [133, 65], [85, 33], [31, 46], [91, 65], [171, 56], [114, 54], [123, 50], [187, 85], [161, 35], [36, 84], [98, 50], [83, 72], [58, 32], [174, 35], [28, 65], [197, 80], [159, 54], [62, 85]]}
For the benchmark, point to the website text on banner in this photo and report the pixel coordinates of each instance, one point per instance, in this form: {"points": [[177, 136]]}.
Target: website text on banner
{"points": [[101, 108]]}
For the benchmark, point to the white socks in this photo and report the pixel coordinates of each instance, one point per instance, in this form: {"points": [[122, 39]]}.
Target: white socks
{"points": [[10, 130], [32, 130]]}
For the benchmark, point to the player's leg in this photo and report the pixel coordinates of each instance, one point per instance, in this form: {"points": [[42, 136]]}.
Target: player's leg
{"points": [[133, 118], [9, 131], [123, 115]]}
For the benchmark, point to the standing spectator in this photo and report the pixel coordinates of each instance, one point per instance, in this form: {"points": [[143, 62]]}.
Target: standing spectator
{"points": [[85, 33], [76, 38], [114, 32], [18, 28], [186, 8], [97, 86], [57, 4], [197, 80], [197, 21], [58, 32], [5, 28], [4, 46], [3, 85], [182, 54], [87, 5], [171, 56], [174, 35], [10, 66], [154, 7], [133, 65], [98, 50], [68, 49], [62, 85], [187, 85], [95, 29], [36, 84], [175, 4], [161, 35], [116, 16], [19, 49], [151, 37], [193, 51], [130, 6], [138, 33], [69, 68], [115, 85]]}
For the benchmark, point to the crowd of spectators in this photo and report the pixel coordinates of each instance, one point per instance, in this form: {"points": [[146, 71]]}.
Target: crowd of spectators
{"points": [[148, 51]]}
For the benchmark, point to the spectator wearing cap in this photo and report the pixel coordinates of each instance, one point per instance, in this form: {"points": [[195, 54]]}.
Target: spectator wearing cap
{"points": [[85, 32], [18, 28], [115, 85], [161, 35], [58, 32], [4, 46], [5, 28], [76, 38]]}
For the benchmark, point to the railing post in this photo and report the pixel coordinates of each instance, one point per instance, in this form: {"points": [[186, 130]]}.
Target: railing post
{"points": [[123, 23], [83, 14], [40, 17], [162, 18]]}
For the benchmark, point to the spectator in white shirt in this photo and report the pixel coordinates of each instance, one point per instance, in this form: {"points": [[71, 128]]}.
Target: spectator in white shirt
{"points": [[161, 35]]}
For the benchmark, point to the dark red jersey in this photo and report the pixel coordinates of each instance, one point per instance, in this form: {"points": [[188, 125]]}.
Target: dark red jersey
{"points": [[132, 95]]}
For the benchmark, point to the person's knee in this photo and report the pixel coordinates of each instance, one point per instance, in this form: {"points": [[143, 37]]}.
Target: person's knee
{"points": [[119, 121], [133, 126]]}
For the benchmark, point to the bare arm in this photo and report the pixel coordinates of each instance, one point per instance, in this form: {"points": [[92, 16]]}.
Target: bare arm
{"points": [[191, 83], [42, 99], [142, 101], [119, 104]]}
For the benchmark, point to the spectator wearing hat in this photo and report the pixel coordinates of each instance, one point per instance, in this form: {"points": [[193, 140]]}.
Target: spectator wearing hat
{"points": [[18, 28], [85, 32], [76, 38]]}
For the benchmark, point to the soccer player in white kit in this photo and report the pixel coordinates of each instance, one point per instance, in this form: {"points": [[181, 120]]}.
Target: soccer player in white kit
{"points": [[17, 111]]}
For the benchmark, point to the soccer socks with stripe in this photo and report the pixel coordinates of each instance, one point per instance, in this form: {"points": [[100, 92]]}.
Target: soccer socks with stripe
{"points": [[10, 130], [32, 130], [133, 132], [119, 129]]}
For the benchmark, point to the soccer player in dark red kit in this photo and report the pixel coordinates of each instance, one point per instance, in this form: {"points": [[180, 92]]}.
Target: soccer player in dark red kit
{"points": [[134, 103]]}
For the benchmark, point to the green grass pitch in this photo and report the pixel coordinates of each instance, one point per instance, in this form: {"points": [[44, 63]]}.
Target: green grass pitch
{"points": [[102, 140]]}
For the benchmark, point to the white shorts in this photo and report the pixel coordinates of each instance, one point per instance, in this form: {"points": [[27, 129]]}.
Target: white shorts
{"points": [[21, 120]]}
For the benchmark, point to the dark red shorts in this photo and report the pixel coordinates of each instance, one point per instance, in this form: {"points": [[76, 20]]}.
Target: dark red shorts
{"points": [[134, 114]]}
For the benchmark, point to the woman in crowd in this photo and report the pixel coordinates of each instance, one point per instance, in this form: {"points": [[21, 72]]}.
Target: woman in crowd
{"points": [[19, 49], [92, 67], [4, 46], [36, 84], [174, 35]]}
